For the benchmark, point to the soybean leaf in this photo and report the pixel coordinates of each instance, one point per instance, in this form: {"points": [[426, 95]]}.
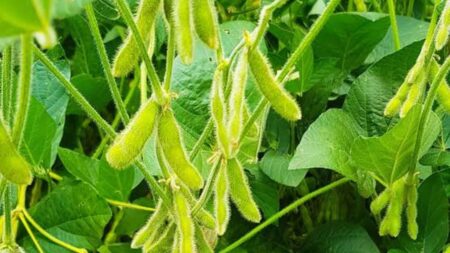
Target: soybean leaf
{"points": [[72, 212], [339, 237], [390, 156], [108, 182], [432, 219], [132, 219], [327, 142], [67, 8], [275, 166], [373, 89], [118, 248], [264, 191]]}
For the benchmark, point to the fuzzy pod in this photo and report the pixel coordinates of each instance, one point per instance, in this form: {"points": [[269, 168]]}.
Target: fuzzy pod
{"points": [[441, 36], [219, 112], [240, 192], [281, 101], [127, 57], [392, 222], [221, 201], [416, 70], [129, 143], [237, 101], [411, 211], [169, 136], [164, 243], [202, 216], [168, 10], [12, 165], [394, 105], [176, 243], [205, 21], [380, 202], [185, 223], [184, 30], [415, 93], [202, 244], [150, 230], [443, 91]]}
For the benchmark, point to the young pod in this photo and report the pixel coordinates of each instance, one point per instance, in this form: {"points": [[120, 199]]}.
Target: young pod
{"points": [[169, 136], [150, 230], [411, 211], [164, 243], [129, 143], [415, 93], [441, 36], [443, 91], [12, 165], [240, 192], [221, 201], [394, 105], [392, 222], [237, 101], [128, 55], [380, 202], [184, 30], [416, 70], [168, 10], [205, 22], [184, 222], [202, 216], [281, 101], [219, 112], [202, 244]]}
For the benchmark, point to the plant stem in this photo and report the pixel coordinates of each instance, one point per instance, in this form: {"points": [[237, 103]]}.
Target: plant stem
{"points": [[394, 27], [170, 56], [263, 23], [410, 9], [283, 212], [48, 235], [6, 84], [153, 183], [8, 238], [129, 205], [203, 137], [126, 14], [24, 89], [30, 233], [206, 193], [93, 25]]}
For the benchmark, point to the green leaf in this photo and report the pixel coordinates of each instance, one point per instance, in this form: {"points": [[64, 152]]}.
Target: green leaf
{"points": [[265, 191], [72, 212], [327, 142], [432, 218], [108, 182], [118, 248], [339, 237], [389, 157], [133, 219], [67, 8], [373, 89], [275, 166]]}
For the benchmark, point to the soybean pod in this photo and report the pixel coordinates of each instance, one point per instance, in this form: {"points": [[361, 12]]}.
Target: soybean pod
{"points": [[380, 202], [128, 55], [184, 30], [392, 221], [164, 243], [219, 112], [12, 165], [202, 216], [185, 223], [202, 244], [411, 211], [169, 136], [443, 92], [205, 22], [221, 201], [148, 233], [281, 101], [394, 105], [129, 143]]}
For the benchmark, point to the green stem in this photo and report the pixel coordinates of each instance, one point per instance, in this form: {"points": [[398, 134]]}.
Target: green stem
{"points": [[283, 212], [208, 189], [203, 137], [7, 226], [126, 14], [93, 25], [263, 23], [394, 27], [30, 233], [24, 89], [153, 183], [6, 83], [410, 9]]}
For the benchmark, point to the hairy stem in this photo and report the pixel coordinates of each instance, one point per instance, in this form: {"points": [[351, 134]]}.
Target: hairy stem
{"points": [[283, 212], [207, 191], [8, 238], [93, 25], [129, 205], [6, 84], [394, 27], [170, 57]]}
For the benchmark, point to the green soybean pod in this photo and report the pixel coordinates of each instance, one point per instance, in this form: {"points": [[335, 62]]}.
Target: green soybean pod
{"points": [[176, 243], [392, 222], [164, 243], [237, 100], [185, 223], [221, 201], [202, 244], [380, 202], [394, 105], [411, 211], [415, 93], [240, 192], [441, 36], [202, 216], [169, 136], [219, 112], [443, 92], [281, 101], [12, 165], [128, 55], [129, 143], [183, 30], [205, 22], [168, 11], [151, 228]]}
